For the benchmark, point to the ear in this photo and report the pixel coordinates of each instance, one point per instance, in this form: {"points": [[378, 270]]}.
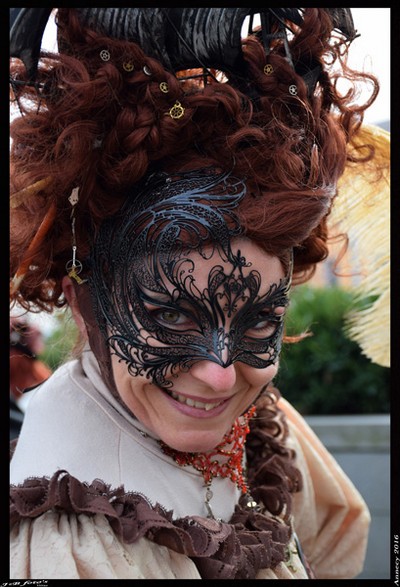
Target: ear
{"points": [[70, 296]]}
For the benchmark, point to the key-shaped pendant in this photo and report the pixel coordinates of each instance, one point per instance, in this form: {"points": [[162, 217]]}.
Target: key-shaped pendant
{"points": [[73, 274], [73, 268]]}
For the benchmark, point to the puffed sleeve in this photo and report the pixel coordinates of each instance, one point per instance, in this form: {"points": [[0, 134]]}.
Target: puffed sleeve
{"points": [[330, 516], [69, 546], [76, 546]]}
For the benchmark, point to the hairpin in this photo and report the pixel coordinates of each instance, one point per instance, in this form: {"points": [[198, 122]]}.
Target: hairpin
{"points": [[18, 198], [31, 250], [15, 201]]}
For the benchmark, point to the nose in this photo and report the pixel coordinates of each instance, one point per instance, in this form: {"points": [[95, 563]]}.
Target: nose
{"points": [[219, 378]]}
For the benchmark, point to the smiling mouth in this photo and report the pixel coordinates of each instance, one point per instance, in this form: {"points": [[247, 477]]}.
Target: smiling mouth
{"points": [[192, 403]]}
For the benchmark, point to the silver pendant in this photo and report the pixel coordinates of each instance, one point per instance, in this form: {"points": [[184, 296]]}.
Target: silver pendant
{"points": [[209, 495]]}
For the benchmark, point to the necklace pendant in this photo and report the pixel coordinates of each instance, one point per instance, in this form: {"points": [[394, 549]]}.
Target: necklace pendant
{"points": [[251, 504], [209, 495]]}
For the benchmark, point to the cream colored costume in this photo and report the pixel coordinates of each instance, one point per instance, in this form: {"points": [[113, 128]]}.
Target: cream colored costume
{"points": [[109, 504]]}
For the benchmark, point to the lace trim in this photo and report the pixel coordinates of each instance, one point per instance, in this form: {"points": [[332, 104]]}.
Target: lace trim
{"points": [[251, 541]]}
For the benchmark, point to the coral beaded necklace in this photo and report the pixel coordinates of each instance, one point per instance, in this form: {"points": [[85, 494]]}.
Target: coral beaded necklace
{"points": [[231, 450]]}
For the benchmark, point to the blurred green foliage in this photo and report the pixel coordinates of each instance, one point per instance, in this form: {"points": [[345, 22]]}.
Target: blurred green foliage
{"points": [[60, 343], [327, 373]]}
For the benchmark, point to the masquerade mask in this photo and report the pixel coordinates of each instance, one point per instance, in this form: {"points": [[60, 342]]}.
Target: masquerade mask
{"points": [[148, 304]]}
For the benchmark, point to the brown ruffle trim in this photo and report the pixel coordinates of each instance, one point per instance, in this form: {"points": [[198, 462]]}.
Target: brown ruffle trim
{"points": [[271, 475], [236, 550], [220, 550]]}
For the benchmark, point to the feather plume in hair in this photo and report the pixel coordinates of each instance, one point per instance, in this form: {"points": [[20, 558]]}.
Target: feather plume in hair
{"points": [[362, 210]]}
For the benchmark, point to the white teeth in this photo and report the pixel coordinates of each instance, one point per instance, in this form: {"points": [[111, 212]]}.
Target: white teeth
{"points": [[209, 407], [194, 404]]}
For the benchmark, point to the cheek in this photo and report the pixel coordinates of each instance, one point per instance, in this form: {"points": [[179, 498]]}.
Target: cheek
{"points": [[259, 377], [126, 384]]}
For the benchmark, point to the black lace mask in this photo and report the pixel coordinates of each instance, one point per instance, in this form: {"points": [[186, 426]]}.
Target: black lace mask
{"points": [[147, 303]]}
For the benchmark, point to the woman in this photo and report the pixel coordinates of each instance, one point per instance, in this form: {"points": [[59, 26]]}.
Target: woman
{"points": [[177, 182]]}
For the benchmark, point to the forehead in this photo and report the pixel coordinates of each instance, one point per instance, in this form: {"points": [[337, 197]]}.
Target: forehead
{"points": [[269, 267]]}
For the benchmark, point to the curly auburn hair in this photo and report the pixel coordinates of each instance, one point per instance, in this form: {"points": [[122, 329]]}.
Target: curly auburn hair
{"points": [[102, 128]]}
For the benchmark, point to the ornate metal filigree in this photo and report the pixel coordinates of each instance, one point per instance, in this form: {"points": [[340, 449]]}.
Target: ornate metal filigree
{"points": [[148, 304]]}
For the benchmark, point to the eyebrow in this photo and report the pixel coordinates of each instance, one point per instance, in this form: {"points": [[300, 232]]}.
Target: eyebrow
{"points": [[159, 298], [164, 300]]}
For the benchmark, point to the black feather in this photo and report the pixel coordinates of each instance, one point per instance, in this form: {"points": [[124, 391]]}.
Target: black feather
{"points": [[26, 31]]}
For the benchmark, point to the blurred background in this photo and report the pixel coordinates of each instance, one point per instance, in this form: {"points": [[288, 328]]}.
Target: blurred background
{"points": [[343, 394]]}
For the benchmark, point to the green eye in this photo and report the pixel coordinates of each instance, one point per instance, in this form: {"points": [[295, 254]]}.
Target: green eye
{"points": [[171, 317]]}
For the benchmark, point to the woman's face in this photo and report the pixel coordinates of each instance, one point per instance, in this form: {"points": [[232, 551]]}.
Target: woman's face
{"points": [[196, 406]]}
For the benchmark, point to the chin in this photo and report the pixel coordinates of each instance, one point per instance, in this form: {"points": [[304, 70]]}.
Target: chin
{"points": [[204, 444]]}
